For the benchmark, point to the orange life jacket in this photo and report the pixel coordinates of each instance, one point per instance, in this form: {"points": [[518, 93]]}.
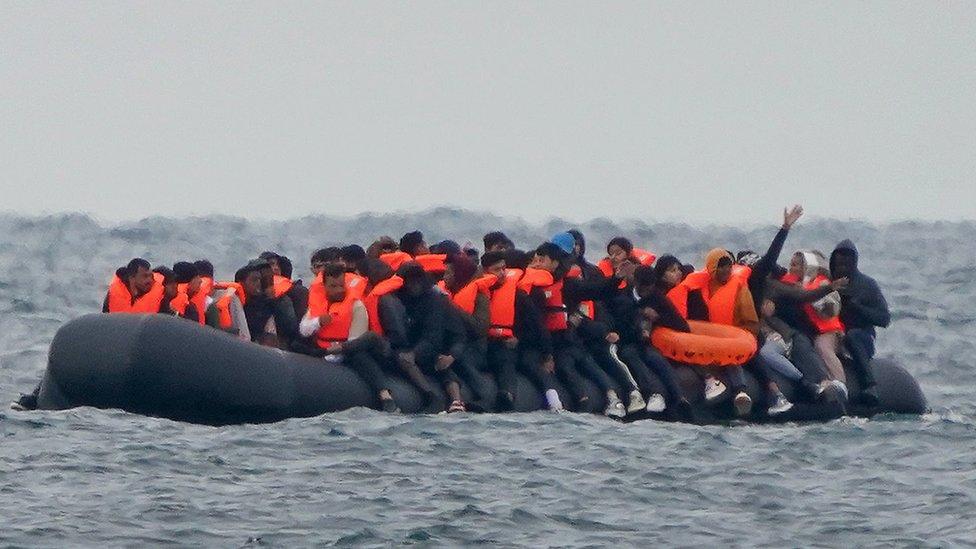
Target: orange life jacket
{"points": [[178, 304], [120, 299], [535, 278], [432, 263], [341, 313], [679, 294], [226, 319], [556, 317], [281, 285], [372, 301], [466, 297], [823, 325], [588, 308], [502, 306], [722, 303], [395, 259]]}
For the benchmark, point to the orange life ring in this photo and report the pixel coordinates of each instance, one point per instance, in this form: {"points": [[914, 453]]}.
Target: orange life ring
{"points": [[707, 344]]}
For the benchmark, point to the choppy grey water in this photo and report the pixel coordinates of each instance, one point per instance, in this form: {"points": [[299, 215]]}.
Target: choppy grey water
{"points": [[88, 477]]}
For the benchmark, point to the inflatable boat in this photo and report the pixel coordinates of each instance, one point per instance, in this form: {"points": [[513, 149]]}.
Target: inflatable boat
{"points": [[158, 365]]}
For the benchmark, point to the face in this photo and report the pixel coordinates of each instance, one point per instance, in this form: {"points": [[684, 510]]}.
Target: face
{"points": [[275, 268], [617, 254], [252, 284], [422, 248], [449, 275], [335, 288], [672, 276], [577, 249], [723, 273], [317, 267], [497, 269], [843, 264], [267, 277], [797, 265], [545, 263], [142, 281], [193, 286], [499, 247]]}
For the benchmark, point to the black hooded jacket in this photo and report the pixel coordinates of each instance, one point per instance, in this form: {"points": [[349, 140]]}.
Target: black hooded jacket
{"points": [[862, 304]]}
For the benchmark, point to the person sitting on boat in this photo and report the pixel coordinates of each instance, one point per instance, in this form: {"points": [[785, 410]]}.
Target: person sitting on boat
{"points": [[414, 325], [270, 320], [135, 288], [297, 292], [226, 311], [338, 322], [863, 308], [496, 241], [413, 247], [190, 303], [555, 298], [322, 257]]}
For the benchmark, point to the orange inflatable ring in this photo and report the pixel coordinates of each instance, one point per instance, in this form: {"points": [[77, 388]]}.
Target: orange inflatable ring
{"points": [[708, 344]]}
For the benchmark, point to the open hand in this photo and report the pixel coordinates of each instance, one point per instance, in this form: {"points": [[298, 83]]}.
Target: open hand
{"points": [[790, 216]]}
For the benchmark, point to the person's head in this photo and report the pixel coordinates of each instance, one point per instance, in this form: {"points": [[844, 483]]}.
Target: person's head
{"points": [[619, 249], [186, 273], [272, 259], [645, 280], [321, 257], [334, 278], [240, 274], [139, 273], [382, 245], [285, 267], [565, 242], [472, 254], [798, 265], [748, 258], [415, 280], [843, 263], [458, 272], [549, 256], [446, 247], [718, 263], [517, 259], [252, 282], [170, 286], [494, 263], [351, 257], [496, 241], [579, 250], [668, 272], [413, 243], [263, 268], [204, 267]]}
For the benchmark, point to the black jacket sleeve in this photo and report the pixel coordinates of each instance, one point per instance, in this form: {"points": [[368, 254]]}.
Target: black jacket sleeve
{"points": [[529, 326], [668, 315], [284, 315]]}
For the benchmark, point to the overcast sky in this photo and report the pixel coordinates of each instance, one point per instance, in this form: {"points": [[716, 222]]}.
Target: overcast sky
{"points": [[689, 111]]}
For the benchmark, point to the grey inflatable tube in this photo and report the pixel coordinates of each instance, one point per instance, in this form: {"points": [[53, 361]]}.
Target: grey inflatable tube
{"points": [[157, 365]]}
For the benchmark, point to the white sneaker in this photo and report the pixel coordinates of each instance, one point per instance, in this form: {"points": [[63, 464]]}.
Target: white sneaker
{"points": [[656, 404], [615, 408], [713, 388], [840, 387], [780, 405], [636, 403], [552, 400], [742, 404]]}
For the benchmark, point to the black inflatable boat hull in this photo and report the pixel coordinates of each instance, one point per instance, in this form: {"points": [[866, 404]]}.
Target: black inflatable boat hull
{"points": [[167, 367]]}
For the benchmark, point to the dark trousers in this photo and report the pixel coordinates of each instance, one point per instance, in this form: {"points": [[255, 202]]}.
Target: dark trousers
{"points": [[806, 359], [573, 363], [502, 360], [600, 351], [860, 343], [530, 364], [642, 360], [364, 355]]}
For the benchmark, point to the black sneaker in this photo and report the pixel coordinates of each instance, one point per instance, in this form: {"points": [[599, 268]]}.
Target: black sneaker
{"points": [[25, 402]]}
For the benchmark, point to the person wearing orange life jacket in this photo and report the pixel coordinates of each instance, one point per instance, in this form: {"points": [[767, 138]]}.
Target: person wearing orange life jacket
{"points": [[413, 247], [822, 321], [271, 320], [620, 249], [572, 361], [136, 289], [226, 311], [414, 325], [496, 241], [468, 323], [338, 322], [190, 301]]}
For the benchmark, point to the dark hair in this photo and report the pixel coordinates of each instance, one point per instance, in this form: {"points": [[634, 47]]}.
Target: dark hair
{"points": [[410, 241], [332, 270], [135, 265], [517, 259], [446, 247], [623, 243], [169, 276], [645, 276], [490, 258], [496, 237], [268, 255], [472, 253], [285, 266], [185, 271], [241, 274], [412, 271], [664, 263], [353, 253], [580, 241], [325, 255], [550, 250], [204, 267], [724, 261], [464, 269]]}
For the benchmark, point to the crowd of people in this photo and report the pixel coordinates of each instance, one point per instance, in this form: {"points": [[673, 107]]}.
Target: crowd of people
{"points": [[447, 313]]}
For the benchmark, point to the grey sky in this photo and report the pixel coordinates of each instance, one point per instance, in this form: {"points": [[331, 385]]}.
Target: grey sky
{"points": [[673, 110]]}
